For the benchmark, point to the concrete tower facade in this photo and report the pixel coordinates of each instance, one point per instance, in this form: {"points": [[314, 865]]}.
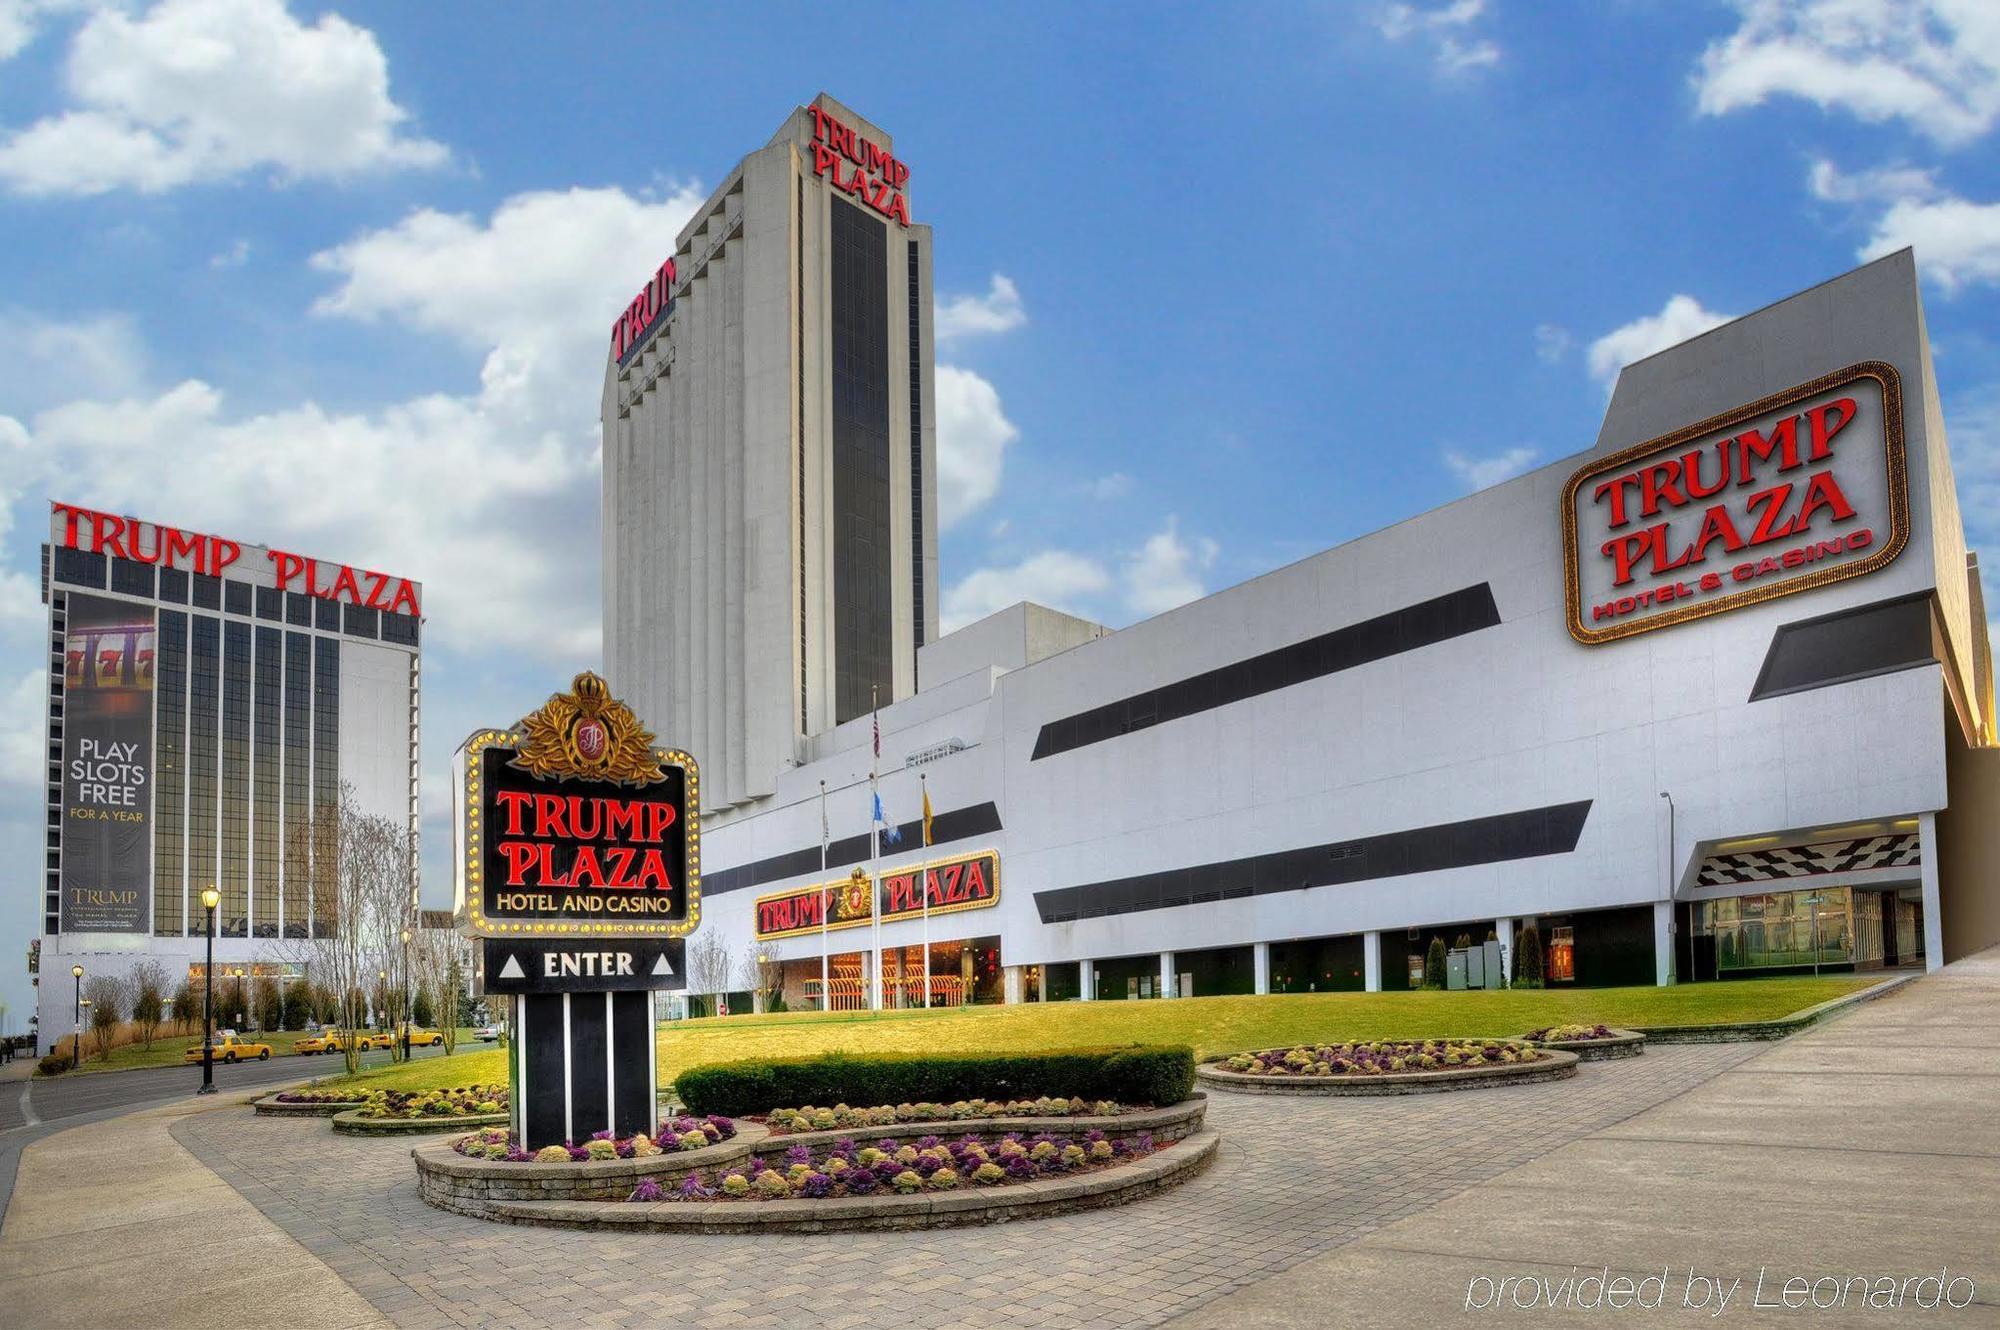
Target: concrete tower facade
{"points": [[770, 493]]}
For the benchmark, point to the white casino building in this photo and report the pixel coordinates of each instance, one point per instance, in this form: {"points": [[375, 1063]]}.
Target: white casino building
{"points": [[1710, 698]]}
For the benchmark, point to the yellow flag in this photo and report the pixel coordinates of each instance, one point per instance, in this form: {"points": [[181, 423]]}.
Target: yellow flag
{"points": [[927, 815]]}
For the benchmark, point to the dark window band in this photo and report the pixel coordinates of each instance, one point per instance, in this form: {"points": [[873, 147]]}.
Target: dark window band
{"points": [[1527, 834], [950, 825], [1849, 644], [1448, 616]]}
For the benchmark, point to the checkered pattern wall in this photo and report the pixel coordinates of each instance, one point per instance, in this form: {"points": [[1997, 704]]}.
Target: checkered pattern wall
{"points": [[1834, 856]]}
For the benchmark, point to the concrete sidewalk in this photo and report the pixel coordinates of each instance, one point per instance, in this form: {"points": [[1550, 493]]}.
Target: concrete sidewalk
{"points": [[115, 1224], [1869, 1146]]}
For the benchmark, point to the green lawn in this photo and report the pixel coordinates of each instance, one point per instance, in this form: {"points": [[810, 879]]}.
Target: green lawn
{"points": [[167, 1051], [1212, 1026]]}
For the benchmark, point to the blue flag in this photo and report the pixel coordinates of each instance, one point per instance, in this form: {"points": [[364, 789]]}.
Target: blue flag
{"points": [[890, 832]]}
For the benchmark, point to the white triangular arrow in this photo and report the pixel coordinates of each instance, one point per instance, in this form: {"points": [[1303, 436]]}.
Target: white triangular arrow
{"points": [[660, 966], [512, 969]]}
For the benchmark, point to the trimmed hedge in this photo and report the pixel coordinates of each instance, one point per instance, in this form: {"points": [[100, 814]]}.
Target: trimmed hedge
{"points": [[1131, 1075]]}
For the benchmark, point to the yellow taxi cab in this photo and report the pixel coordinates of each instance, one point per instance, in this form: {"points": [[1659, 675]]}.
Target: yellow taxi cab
{"points": [[229, 1048], [326, 1041], [422, 1038]]}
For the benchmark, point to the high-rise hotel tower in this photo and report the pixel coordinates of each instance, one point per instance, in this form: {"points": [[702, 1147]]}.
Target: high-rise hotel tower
{"points": [[770, 491]]}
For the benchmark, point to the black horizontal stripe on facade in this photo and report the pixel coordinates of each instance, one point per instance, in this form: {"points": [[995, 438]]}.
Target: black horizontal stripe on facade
{"points": [[1527, 834], [1451, 615], [951, 825]]}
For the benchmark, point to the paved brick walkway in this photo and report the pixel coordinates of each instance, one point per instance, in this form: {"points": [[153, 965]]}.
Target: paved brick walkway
{"points": [[1294, 1178]]}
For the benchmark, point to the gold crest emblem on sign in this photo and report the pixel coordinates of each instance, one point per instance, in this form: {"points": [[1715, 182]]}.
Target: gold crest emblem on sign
{"points": [[588, 733]]}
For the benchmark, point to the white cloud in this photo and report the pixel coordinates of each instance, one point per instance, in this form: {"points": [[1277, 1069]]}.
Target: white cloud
{"points": [[1680, 318], [21, 22], [1478, 473], [1552, 343], [489, 497], [1114, 485], [1934, 64], [1167, 571], [1829, 183], [235, 256], [196, 91], [1957, 241], [1448, 31], [1056, 578], [973, 434], [998, 311], [44, 361]]}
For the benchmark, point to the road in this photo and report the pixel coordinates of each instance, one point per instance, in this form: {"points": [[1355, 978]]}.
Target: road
{"points": [[31, 1109]]}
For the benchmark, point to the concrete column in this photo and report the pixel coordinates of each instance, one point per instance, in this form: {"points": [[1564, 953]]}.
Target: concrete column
{"points": [[1504, 930], [1169, 987], [1663, 943], [757, 999], [1260, 966], [1010, 985], [1927, 844], [1086, 982], [1371, 961]]}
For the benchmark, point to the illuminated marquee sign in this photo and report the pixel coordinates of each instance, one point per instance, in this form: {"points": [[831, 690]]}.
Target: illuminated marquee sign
{"points": [[965, 882], [653, 303], [1804, 488], [855, 166], [76, 528], [573, 824]]}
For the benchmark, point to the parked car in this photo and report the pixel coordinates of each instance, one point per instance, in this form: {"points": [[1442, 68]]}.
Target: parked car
{"points": [[488, 1034], [231, 1049], [326, 1041], [422, 1038]]}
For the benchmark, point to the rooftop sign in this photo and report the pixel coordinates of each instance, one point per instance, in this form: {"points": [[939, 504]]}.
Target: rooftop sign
{"points": [[855, 166], [1801, 489]]}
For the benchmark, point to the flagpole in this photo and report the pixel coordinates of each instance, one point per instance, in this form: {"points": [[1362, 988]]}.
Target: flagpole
{"points": [[875, 845], [924, 886], [825, 907]]}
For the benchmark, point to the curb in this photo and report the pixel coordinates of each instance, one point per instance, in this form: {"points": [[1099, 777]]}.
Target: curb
{"points": [[1118, 1185], [1753, 1031], [1556, 1066], [1618, 1044], [268, 1106]]}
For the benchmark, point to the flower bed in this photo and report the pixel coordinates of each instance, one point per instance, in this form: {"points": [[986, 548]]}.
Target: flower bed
{"points": [[675, 1136], [305, 1103], [1592, 1043], [840, 1117], [845, 1167], [399, 1113], [464, 1176], [1409, 1066]]}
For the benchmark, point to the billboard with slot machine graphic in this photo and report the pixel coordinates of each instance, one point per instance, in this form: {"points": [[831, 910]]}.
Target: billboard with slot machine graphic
{"points": [[107, 765]]}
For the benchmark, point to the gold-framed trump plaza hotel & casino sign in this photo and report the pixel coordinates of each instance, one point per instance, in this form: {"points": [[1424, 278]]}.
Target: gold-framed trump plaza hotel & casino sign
{"points": [[578, 872]]}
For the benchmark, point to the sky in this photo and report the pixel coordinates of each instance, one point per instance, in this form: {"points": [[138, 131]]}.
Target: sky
{"points": [[1216, 290]]}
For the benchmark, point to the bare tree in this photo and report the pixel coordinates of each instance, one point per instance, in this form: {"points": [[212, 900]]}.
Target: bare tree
{"points": [[149, 990], [106, 995], [708, 965], [186, 1006], [437, 973], [362, 868]]}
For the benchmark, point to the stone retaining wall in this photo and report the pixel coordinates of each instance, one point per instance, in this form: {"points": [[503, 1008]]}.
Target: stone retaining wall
{"points": [[1097, 1189], [349, 1123], [451, 1181], [269, 1107], [1555, 1066], [1752, 1031]]}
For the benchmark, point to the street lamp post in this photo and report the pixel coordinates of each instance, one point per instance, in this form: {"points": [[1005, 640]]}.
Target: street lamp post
{"points": [[1814, 900], [76, 1021], [382, 1002], [242, 999], [406, 995], [210, 898], [84, 1007]]}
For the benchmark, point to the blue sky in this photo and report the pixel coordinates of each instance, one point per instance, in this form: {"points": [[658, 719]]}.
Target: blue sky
{"points": [[1215, 293]]}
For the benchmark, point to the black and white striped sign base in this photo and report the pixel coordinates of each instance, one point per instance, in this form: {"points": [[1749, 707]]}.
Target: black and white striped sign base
{"points": [[583, 1063]]}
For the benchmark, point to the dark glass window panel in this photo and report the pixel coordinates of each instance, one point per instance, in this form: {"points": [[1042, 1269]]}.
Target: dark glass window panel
{"points": [[326, 615], [298, 609], [913, 327], [1846, 645], [267, 758], [952, 824], [297, 890], [400, 629], [174, 585], [79, 567], [359, 621], [207, 592], [236, 596], [132, 577], [235, 809], [170, 679], [270, 603], [204, 747], [326, 779], [864, 623]]}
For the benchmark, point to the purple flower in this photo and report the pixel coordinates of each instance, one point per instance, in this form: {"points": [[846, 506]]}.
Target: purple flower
{"points": [[600, 1135], [578, 1154], [683, 1125], [929, 1143], [1020, 1167], [926, 1166], [692, 1190], [887, 1170], [757, 1165], [1093, 1136], [798, 1154], [815, 1185], [648, 1190], [1144, 1144], [727, 1126], [886, 1146], [518, 1156], [1121, 1147], [844, 1146], [859, 1181], [624, 1149]]}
